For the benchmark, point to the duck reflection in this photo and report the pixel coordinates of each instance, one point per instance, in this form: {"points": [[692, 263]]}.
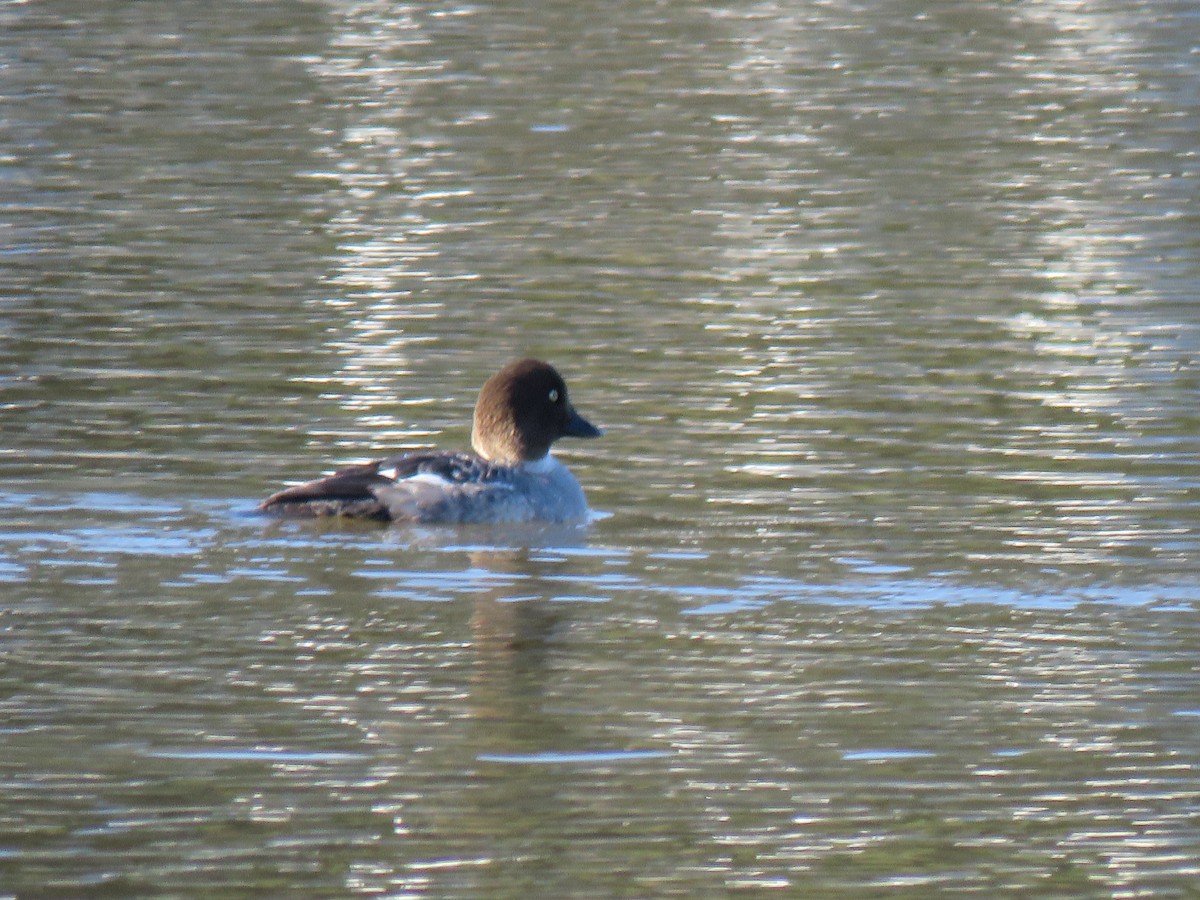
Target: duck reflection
{"points": [[516, 580], [515, 624]]}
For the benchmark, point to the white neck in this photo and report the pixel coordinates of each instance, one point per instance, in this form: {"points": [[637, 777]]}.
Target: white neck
{"points": [[540, 466]]}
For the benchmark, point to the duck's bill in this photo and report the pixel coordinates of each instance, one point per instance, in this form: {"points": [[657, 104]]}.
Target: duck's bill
{"points": [[578, 426]]}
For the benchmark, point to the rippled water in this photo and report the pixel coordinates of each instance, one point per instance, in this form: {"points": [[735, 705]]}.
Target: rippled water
{"points": [[889, 313]]}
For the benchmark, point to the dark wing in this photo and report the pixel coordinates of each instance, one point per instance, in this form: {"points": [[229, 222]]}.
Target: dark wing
{"points": [[453, 467], [347, 492], [353, 491]]}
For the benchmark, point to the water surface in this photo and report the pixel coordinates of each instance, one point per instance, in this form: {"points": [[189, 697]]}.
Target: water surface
{"points": [[888, 312]]}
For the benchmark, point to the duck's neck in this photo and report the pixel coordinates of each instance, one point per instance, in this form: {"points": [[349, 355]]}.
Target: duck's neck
{"points": [[540, 466]]}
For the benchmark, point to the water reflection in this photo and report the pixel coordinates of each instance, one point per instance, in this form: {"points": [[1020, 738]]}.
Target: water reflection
{"points": [[482, 682], [1035, 433], [156, 221]]}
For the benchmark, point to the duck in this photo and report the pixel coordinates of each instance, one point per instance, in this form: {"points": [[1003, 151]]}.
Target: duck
{"points": [[511, 476]]}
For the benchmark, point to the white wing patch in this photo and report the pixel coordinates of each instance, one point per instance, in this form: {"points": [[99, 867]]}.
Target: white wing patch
{"points": [[427, 497]]}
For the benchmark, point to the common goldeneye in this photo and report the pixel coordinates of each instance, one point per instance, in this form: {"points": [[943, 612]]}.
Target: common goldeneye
{"points": [[511, 477]]}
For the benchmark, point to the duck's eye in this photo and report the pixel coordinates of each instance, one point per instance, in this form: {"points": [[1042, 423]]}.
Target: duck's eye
{"points": [[553, 395]]}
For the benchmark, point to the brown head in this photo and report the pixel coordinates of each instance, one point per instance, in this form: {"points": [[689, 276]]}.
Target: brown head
{"points": [[521, 411]]}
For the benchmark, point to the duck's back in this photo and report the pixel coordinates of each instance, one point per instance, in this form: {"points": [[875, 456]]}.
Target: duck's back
{"points": [[543, 491]]}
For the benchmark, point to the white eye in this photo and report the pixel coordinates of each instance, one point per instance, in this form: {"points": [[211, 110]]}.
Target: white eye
{"points": [[553, 395]]}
